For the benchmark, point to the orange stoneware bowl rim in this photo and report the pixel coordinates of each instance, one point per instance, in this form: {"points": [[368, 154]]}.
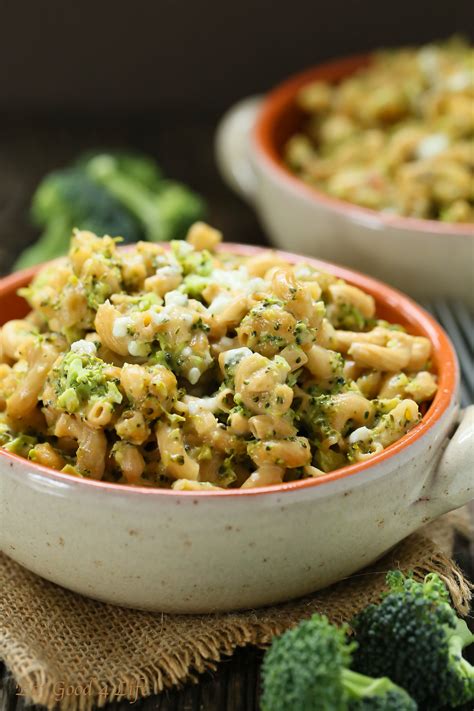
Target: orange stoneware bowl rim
{"points": [[280, 99], [387, 298]]}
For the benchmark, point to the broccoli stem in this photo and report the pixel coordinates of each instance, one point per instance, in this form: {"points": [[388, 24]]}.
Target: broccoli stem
{"points": [[165, 214], [53, 243], [460, 637], [139, 202], [359, 686], [136, 198]]}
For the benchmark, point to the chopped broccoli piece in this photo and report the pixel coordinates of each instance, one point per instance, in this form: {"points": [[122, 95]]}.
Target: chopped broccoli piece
{"points": [[192, 262], [22, 444], [348, 317], [6, 435], [69, 400], [81, 379], [67, 199], [70, 469], [307, 668], [193, 285], [226, 474], [414, 637]]}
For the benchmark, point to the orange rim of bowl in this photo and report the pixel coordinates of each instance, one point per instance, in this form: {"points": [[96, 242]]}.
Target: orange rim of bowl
{"points": [[283, 97], [444, 358]]}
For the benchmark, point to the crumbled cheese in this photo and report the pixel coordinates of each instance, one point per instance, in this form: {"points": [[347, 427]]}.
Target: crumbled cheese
{"points": [[234, 279], [186, 317], [134, 260], [184, 247], [83, 346], [235, 355], [187, 352], [362, 434], [137, 349], [160, 317], [196, 405], [169, 270], [219, 304], [428, 60], [121, 325], [176, 298], [432, 145], [459, 81], [193, 407], [303, 272], [172, 312], [194, 375], [254, 285]]}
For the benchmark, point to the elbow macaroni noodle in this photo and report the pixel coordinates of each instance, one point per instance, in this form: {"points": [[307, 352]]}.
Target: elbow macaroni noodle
{"points": [[190, 369]]}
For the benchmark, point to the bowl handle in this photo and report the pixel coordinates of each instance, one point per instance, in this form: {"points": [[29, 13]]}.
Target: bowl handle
{"points": [[452, 483], [232, 146]]}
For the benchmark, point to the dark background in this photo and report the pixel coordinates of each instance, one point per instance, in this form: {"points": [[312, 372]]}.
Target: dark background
{"points": [[164, 55]]}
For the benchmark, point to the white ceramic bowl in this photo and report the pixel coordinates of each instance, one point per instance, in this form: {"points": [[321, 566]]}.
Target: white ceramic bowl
{"points": [[425, 258], [204, 551]]}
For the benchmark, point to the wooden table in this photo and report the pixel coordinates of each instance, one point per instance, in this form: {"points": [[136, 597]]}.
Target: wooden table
{"points": [[29, 147]]}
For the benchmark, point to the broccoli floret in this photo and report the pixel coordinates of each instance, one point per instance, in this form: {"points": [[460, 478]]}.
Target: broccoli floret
{"points": [[392, 700], [307, 668], [67, 199], [164, 211], [136, 166], [414, 637], [115, 193], [179, 209]]}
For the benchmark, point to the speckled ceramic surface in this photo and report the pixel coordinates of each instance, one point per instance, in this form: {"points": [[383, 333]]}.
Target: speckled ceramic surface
{"points": [[204, 551]]}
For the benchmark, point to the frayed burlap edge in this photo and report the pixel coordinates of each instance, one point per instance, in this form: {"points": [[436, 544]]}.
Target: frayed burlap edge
{"points": [[124, 654]]}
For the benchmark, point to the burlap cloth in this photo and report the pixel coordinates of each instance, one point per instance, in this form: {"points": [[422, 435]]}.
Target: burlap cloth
{"points": [[67, 651]]}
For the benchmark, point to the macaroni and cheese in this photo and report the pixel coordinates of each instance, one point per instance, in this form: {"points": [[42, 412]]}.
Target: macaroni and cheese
{"points": [[193, 368], [396, 136]]}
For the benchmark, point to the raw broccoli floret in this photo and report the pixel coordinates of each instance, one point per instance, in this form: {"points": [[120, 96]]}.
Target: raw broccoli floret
{"points": [[116, 193], [67, 199], [392, 700], [138, 167], [164, 211], [414, 637], [307, 668]]}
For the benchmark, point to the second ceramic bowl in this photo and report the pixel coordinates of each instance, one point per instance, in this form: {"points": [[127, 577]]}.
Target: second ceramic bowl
{"points": [[425, 258]]}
